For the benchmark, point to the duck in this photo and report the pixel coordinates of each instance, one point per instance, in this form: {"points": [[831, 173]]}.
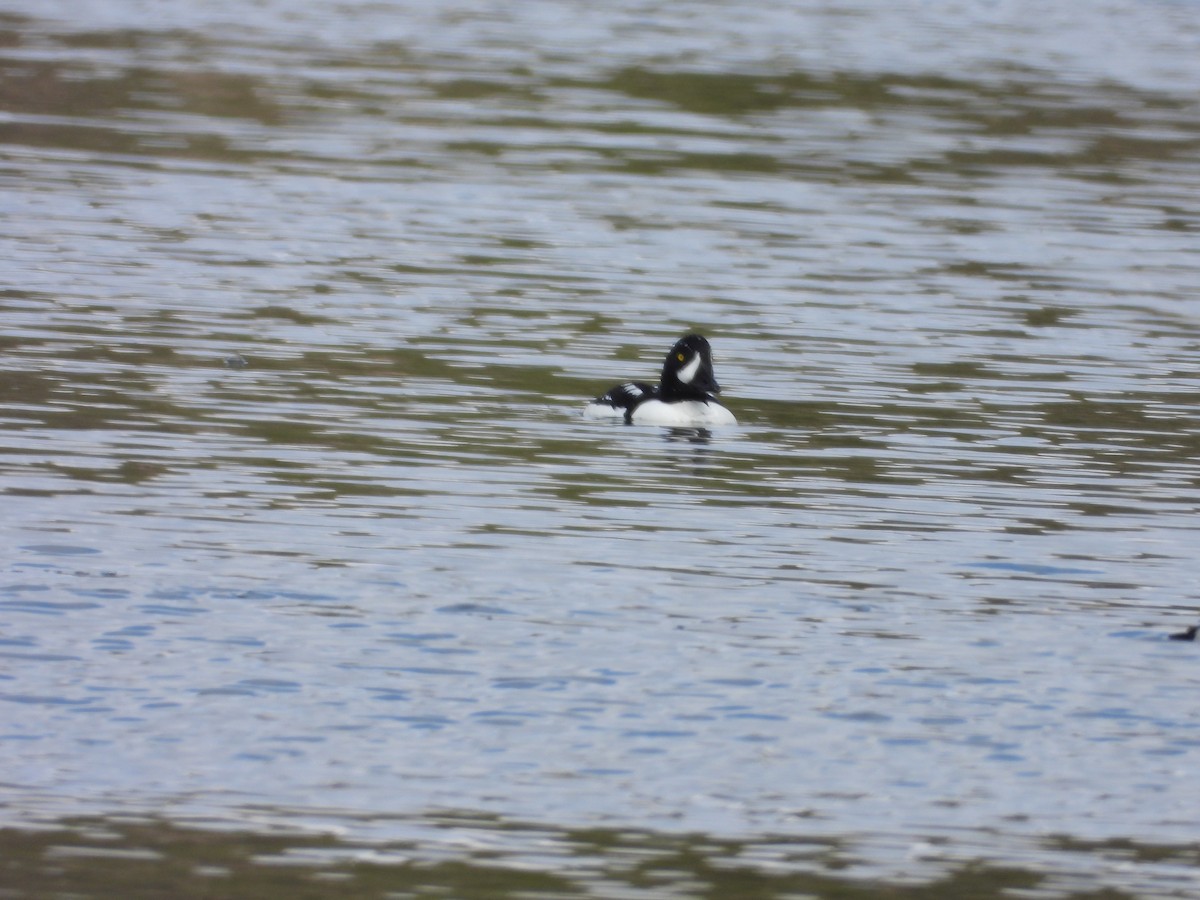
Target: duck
{"points": [[684, 396]]}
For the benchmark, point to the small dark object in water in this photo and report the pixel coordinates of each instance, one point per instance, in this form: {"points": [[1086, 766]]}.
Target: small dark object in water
{"points": [[237, 361], [1189, 635]]}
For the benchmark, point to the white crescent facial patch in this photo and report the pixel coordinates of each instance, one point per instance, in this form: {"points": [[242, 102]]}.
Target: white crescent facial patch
{"points": [[688, 372]]}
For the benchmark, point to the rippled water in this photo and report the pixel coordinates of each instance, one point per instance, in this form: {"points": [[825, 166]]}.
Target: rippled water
{"points": [[303, 528]]}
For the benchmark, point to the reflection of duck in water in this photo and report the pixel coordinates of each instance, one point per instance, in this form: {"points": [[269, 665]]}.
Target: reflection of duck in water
{"points": [[1186, 635], [685, 395]]}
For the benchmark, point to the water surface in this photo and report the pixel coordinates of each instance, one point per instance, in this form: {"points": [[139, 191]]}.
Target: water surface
{"points": [[305, 535]]}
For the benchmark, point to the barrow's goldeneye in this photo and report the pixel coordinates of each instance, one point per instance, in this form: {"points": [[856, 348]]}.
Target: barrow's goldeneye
{"points": [[684, 395]]}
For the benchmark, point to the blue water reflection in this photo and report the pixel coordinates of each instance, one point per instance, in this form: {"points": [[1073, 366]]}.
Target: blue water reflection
{"points": [[304, 526]]}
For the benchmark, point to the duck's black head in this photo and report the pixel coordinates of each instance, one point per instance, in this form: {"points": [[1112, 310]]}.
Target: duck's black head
{"points": [[688, 371]]}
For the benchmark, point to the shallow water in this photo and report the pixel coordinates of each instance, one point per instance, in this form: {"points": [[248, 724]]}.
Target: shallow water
{"points": [[305, 531]]}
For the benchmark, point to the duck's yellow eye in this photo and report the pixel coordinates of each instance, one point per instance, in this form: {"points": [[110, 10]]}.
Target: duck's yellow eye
{"points": [[680, 357]]}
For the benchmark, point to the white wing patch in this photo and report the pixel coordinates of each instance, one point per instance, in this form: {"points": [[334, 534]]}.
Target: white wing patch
{"points": [[688, 372], [615, 402]]}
